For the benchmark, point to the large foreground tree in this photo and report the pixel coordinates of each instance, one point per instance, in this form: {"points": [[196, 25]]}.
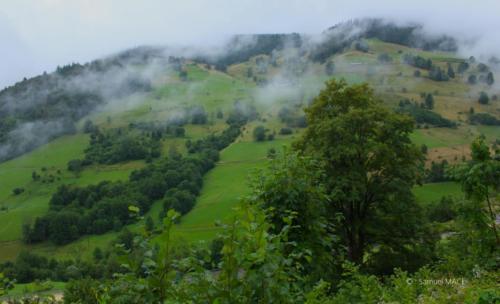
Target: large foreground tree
{"points": [[370, 165]]}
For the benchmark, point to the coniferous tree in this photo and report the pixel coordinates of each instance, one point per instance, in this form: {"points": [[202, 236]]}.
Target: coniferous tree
{"points": [[472, 79], [429, 101], [483, 98], [490, 79], [451, 72]]}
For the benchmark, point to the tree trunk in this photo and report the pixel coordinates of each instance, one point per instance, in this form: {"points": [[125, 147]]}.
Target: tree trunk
{"points": [[355, 243]]}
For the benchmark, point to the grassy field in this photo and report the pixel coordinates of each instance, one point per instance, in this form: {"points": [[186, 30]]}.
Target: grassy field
{"points": [[33, 289], [429, 193], [224, 187]]}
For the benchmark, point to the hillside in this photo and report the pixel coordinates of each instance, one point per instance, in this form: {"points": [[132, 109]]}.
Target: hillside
{"points": [[203, 113], [284, 79]]}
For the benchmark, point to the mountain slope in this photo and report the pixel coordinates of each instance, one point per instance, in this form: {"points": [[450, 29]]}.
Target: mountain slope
{"points": [[277, 79]]}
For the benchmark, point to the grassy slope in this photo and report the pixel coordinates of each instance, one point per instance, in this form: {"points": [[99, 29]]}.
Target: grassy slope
{"points": [[430, 193], [224, 186], [212, 89], [36, 288]]}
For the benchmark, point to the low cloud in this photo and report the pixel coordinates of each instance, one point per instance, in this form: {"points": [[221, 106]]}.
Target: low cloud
{"points": [[38, 35]]}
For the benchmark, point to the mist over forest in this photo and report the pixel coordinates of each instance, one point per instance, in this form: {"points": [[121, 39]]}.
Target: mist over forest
{"points": [[51, 104]]}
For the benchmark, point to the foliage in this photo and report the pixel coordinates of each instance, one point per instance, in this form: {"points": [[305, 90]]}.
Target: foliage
{"points": [[437, 172], [293, 186], [97, 209], [5, 285], [370, 166], [483, 98], [330, 68], [462, 67], [418, 62], [484, 119], [472, 79], [292, 118], [286, 131], [341, 36], [259, 133], [361, 46], [490, 79], [438, 74], [262, 44], [480, 179], [424, 116], [117, 146], [442, 211], [384, 58], [429, 101], [51, 104]]}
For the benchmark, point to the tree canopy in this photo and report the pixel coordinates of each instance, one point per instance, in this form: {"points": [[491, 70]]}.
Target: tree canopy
{"points": [[369, 161]]}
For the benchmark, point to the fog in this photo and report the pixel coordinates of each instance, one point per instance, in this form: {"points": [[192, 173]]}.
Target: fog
{"points": [[39, 35]]}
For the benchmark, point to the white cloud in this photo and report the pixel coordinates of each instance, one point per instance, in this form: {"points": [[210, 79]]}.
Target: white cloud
{"points": [[38, 35]]}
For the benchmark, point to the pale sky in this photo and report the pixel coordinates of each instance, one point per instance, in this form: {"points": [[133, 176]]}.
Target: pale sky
{"points": [[38, 35]]}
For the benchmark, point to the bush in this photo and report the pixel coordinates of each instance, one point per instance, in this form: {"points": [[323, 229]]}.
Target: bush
{"points": [[384, 58], [286, 131], [17, 191], [362, 46], [438, 74], [442, 211], [472, 79], [198, 116], [483, 98], [484, 119], [75, 165], [424, 116], [259, 133], [418, 61], [179, 132]]}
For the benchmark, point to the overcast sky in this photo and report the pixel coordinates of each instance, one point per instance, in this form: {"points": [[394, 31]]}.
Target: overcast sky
{"points": [[38, 35]]}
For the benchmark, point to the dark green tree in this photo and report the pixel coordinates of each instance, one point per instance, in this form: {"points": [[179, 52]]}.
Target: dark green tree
{"points": [[472, 79], [259, 133], [490, 80], [429, 101], [370, 166], [483, 98], [462, 67], [451, 72], [149, 225], [480, 179], [330, 68], [293, 186]]}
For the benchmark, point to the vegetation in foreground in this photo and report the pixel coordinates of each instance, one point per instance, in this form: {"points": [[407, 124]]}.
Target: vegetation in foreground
{"points": [[333, 220]]}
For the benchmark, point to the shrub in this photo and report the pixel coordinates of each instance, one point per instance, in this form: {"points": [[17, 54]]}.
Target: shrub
{"points": [[483, 98], [17, 191], [442, 211], [259, 133], [286, 131], [484, 119]]}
